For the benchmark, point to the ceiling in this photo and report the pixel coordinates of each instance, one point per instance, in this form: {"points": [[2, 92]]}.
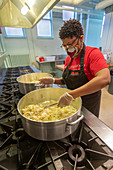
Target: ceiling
{"points": [[80, 3], [88, 4], [26, 13]]}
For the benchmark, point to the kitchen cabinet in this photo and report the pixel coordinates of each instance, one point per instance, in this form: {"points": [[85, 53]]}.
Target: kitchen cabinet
{"points": [[59, 69], [50, 67], [47, 67], [110, 66], [4, 60], [2, 48], [4, 57]]}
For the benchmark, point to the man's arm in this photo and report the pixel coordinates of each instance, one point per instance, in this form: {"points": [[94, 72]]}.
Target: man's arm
{"points": [[101, 79], [59, 81]]}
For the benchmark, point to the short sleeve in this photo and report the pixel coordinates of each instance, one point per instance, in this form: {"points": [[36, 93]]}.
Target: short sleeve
{"points": [[96, 61]]}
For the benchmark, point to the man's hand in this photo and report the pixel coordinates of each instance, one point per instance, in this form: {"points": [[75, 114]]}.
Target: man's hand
{"points": [[47, 80], [65, 100]]}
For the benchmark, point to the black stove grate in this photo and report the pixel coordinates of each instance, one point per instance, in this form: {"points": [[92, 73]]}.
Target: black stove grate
{"points": [[81, 150], [12, 74]]}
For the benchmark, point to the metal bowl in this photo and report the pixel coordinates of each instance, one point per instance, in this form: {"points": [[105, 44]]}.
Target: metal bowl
{"points": [[26, 82]]}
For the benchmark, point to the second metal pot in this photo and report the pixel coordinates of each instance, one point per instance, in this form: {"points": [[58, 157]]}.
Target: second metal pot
{"points": [[25, 82], [49, 130]]}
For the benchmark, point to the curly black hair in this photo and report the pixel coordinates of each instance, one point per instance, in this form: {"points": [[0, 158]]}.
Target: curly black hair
{"points": [[71, 28]]}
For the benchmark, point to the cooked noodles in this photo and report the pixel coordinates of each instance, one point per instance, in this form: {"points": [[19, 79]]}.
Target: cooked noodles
{"points": [[53, 113]]}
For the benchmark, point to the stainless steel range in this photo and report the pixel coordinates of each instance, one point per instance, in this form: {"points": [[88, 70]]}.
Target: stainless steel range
{"points": [[89, 147]]}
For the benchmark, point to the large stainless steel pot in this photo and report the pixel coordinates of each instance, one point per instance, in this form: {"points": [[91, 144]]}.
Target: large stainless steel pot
{"points": [[25, 82], [49, 130]]}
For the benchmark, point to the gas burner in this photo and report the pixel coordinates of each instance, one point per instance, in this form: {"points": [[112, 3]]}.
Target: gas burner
{"points": [[76, 154], [12, 74], [9, 80], [19, 134], [81, 150]]}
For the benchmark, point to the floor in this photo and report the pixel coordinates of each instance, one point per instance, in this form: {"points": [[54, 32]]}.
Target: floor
{"points": [[106, 108]]}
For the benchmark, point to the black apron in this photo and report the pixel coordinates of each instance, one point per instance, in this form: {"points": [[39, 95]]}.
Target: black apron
{"points": [[73, 81]]}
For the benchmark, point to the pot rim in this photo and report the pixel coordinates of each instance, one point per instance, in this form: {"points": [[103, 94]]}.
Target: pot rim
{"points": [[31, 75], [47, 122]]}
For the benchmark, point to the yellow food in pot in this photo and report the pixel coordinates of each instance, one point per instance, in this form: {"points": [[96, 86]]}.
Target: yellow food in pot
{"points": [[53, 113]]}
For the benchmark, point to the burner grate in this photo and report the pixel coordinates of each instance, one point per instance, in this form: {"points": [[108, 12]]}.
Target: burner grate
{"points": [[81, 150]]}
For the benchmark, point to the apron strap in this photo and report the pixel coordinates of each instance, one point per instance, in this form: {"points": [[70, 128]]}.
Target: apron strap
{"points": [[82, 58]]}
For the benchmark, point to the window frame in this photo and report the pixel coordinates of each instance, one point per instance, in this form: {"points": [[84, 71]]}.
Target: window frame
{"points": [[15, 36], [51, 22], [68, 11]]}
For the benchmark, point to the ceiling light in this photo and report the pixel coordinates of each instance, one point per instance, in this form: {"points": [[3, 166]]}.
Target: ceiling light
{"points": [[24, 10]]}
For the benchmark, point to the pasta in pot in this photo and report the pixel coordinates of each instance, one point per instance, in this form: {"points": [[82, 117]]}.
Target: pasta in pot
{"points": [[53, 113]]}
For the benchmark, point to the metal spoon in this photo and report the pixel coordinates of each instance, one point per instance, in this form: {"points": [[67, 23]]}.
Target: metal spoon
{"points": [[50, 105]]}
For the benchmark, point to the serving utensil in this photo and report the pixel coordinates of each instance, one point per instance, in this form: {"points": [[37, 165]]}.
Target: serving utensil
{"points": [[50, 105]]}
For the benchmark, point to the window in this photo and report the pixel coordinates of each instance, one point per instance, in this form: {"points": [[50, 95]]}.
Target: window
{"points": [[68, 14], [14, 32], [45, 26], [102, 26]]}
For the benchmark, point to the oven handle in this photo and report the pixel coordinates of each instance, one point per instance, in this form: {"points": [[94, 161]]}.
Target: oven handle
{"points": [[75, 122]]}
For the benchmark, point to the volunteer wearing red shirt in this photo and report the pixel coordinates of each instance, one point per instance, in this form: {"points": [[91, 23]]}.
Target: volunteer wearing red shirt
{"points": [[85, 72]]}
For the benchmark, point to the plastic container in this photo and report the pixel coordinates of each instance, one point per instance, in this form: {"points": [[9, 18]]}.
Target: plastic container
{"points": [[49, 58], [41, 59]]}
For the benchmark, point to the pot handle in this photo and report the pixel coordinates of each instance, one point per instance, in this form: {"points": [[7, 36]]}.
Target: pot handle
{"points": [[76, 121]]}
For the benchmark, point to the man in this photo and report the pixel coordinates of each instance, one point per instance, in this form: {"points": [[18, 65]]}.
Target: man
{"points": [[85, 72]]}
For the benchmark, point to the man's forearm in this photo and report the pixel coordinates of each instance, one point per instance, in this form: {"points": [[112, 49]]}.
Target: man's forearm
{"points": [[59, 81], [92, 86]]}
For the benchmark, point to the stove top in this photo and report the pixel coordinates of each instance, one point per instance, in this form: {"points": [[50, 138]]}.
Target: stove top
{"points": [[87, 148]]}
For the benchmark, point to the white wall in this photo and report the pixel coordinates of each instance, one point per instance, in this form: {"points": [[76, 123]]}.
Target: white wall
{"points": [[34, 46], [107, 36]]}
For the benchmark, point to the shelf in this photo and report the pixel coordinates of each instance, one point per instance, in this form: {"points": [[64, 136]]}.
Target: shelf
{"points": [[50, 61]]}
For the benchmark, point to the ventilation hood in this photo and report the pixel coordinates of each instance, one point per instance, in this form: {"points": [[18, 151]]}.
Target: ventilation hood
{"points": [[71, 2], [24, 13], [104, 4]]}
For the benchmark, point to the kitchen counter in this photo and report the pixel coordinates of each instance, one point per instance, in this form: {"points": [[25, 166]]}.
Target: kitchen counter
{"points": [[99, 127], [60, 67], [110, 64]]}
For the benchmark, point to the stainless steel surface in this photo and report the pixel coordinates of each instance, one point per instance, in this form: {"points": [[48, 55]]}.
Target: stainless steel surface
{"points": [[78, 10], [24, 82], [34, 69], [88, 4], [20, 151], [104, 4], [99, 128], [24, 13], [48, 130]]}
